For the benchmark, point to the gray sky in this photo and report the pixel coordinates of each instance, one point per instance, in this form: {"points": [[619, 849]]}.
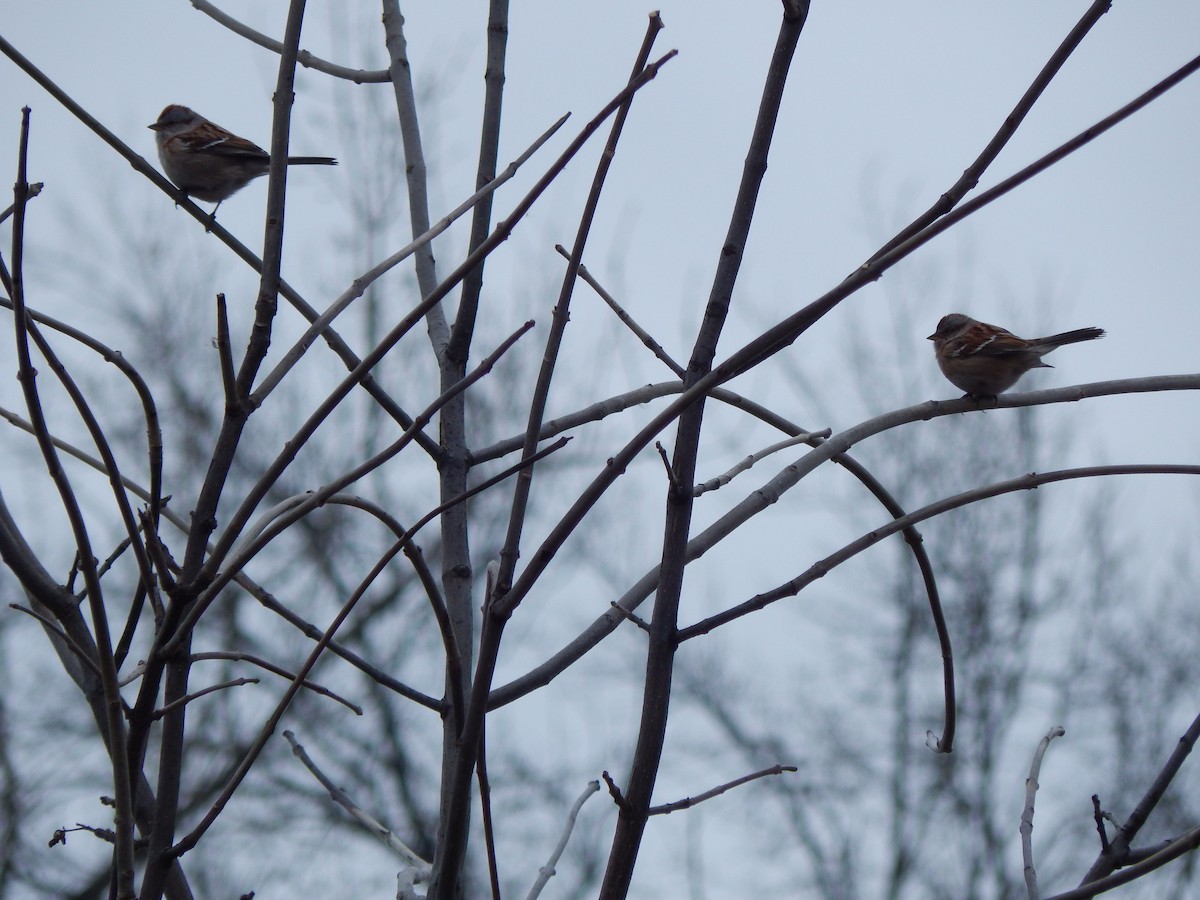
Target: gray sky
{"points": [[886, 105]]}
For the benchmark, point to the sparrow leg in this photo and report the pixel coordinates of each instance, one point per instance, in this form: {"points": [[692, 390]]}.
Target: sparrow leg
{"points": [[212, 219]]}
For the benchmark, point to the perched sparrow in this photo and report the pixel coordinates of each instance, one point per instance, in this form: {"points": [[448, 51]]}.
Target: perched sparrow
{"points": [[985, 360], [209, 163]]}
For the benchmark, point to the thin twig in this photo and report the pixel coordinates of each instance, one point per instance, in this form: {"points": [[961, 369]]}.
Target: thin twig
{"points": [[238, 656], [688, 802], [34, 190], [1098, 814], [614, 791], [225, 351], [183, 701], [340, 797], [485, 808], [630, 615], [1031, 787], [546, 872], [746, 464], [642, 334]]}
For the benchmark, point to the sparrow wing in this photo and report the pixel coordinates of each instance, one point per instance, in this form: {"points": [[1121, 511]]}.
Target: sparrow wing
{"points": [[210, 139]]}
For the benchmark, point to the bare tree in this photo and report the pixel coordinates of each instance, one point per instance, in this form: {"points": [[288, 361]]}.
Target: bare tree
{"points": [[346, 572]]}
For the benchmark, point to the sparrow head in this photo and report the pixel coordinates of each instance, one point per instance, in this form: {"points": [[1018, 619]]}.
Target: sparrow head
{"points": [[173, 117], [948, 325]]}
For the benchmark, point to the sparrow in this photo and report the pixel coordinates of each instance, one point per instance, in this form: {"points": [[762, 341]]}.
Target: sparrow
{"points": [[985, 360], [209, 163]]}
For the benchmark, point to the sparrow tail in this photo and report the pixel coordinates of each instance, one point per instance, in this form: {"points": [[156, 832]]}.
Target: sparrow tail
{"points": [[1073, 337], [330, 161]]}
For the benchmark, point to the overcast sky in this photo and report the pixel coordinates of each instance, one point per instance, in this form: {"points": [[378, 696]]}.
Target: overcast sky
{"points": [[887, 103]]}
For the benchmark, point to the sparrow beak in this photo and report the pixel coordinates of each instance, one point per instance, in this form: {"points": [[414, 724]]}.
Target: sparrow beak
{"points": [[930, 338]]}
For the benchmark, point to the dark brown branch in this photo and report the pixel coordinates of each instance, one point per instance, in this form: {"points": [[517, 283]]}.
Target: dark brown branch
{"points": [[1123, 839], [114, 721], [1098, 814], [225, 352], [971, 175], [663, 642], [1186, 843], [183, 701]]}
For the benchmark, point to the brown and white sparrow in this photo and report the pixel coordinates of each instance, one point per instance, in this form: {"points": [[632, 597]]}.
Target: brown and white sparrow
{"points": [[209, 163], [984, 360]]}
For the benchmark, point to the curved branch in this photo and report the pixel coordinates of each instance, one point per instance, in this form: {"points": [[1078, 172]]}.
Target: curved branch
{"points": [[835, 449], [1031, 787], [306, 59], [237, 656], [823, 567]]}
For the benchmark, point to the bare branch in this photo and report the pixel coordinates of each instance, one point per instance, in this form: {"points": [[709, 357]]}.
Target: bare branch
{"points": [[362, 282], [277, 670], [340, 797], [1186, 843], [824, 566], [642, 335], [1031, 787], [689, 802], [183, 701], [306, 59], [1107, 862], [113, 721], [721, 480], [971, 175], [546, 872], [414, 167]]}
